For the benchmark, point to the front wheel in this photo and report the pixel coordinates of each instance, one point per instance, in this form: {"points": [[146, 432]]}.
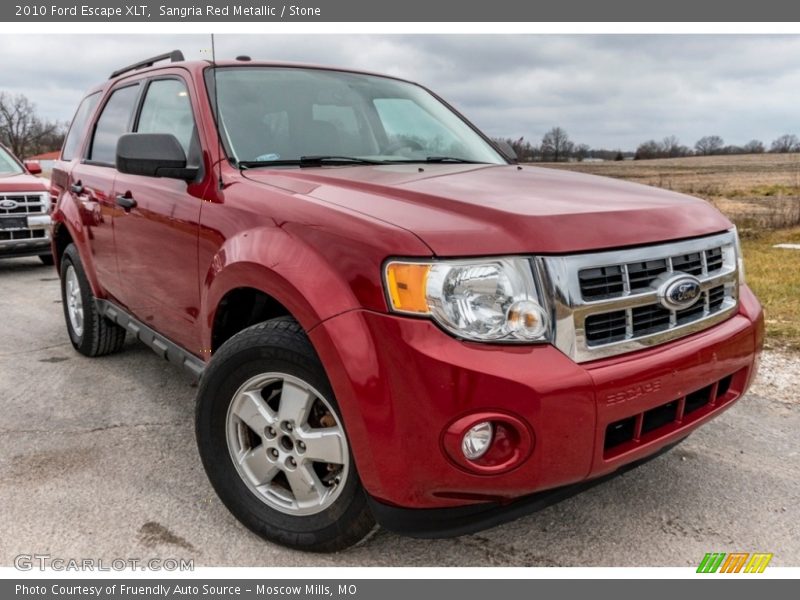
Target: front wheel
{"points": [[273, 442]]}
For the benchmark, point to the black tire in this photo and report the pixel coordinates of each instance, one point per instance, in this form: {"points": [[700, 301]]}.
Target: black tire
{"points": [[279, 345], [47, 259], [99, 336]]}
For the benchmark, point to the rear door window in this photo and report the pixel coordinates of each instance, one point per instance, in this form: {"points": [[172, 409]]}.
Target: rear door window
{"points": [[112, 123]]}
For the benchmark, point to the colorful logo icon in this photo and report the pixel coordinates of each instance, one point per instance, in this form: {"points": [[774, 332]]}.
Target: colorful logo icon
{"points": [[734, 562]]}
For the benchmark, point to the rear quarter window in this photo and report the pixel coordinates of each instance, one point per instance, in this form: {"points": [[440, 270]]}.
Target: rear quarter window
{"points": [[78, 126]]}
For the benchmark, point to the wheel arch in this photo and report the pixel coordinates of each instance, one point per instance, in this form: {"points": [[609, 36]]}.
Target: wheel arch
{"points": [[271, 274], [68, 229], [61, 239], [240, 308]]}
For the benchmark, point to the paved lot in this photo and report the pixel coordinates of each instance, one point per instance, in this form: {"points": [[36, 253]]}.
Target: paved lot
{"points": [[97, 459]]}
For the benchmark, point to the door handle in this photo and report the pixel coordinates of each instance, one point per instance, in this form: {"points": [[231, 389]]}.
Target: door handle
{"points": [[126, 201], [76, 188]]}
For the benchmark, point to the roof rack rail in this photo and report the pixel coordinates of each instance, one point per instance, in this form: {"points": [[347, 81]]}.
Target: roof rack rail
{"points": [[174, 56]]}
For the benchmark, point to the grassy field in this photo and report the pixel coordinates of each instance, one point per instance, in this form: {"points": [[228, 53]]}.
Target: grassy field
{"points": [[761, 194]]}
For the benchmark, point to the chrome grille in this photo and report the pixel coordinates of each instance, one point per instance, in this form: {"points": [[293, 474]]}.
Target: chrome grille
{"points": [[613, 280], [607, 303], [25, 204], [22, 234]]}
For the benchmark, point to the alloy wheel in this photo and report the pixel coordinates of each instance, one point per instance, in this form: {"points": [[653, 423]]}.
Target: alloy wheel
{"points": [[74, 301], [287, 444]]}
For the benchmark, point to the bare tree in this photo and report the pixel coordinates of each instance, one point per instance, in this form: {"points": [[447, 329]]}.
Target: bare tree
{"points": [[672, 148], [647, 150], [526, 152], [581, 151], [754, 147], [710, 144], [786, 143], [556, 145], [22, 130]]}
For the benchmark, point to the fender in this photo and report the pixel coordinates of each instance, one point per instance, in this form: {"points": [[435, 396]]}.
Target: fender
{"points": [[306, 283], [282, 266]]}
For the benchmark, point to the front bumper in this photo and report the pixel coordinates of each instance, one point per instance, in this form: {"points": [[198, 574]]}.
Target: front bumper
{"points": [[31, 241], [472, 518], [401, 382]]}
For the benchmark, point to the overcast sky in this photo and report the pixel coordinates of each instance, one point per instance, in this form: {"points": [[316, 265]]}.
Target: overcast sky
{"points": [[609, 91]]}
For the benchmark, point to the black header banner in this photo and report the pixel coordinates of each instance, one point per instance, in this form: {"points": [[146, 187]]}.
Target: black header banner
{"points": [[402, 11]]}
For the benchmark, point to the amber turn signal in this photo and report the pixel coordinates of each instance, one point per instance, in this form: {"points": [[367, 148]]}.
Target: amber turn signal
{"points": [[406, 283]]}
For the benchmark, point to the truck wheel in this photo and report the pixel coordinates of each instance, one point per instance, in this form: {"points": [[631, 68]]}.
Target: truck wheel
{"points": [[273, 444], [47, 259], [90, 333]]}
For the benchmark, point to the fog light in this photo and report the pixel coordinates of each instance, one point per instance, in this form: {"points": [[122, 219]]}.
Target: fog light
{"points": [[477, 440]]}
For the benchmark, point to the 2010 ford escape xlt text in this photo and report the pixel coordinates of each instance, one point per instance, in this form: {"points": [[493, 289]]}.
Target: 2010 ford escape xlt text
{"points": [[392, 322]]}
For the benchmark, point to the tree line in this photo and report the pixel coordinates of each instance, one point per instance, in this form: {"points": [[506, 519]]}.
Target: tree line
{"points": [[24, 131], [556, 146], [711, 145]]}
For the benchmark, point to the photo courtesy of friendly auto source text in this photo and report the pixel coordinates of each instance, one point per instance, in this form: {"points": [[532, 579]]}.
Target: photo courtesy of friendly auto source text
{"points": [[308, 286]]}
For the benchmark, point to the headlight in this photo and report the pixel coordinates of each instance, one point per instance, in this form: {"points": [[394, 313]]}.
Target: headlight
{"points": [[483, 300], [739, 257]]}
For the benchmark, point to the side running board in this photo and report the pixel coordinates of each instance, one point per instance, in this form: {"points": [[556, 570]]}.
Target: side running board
{"points": [[158, 343]]}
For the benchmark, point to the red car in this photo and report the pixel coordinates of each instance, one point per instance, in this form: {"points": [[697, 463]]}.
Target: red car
{"points": [[24, 209], [392, 322]]}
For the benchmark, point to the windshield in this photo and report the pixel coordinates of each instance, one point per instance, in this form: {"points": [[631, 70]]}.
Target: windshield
{"points": [[8, 166], [284, 115]]}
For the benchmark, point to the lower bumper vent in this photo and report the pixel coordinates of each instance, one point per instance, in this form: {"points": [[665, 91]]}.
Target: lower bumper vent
{"points": [[625, 434]]}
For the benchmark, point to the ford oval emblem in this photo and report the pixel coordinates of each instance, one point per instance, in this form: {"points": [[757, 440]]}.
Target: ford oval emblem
{"points": [[8, 204], [679, 291]]}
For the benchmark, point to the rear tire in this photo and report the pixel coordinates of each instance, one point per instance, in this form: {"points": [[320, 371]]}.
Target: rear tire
{"points": [[90, 333], [273, 443]]}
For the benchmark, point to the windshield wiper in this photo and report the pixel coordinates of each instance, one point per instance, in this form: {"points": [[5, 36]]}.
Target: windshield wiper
{"points": [[310, 161], [440, 159], [453, 159], [334, 159]]}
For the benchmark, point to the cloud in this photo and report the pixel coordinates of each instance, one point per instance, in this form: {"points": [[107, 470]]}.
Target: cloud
{"points": [[609, 91]]}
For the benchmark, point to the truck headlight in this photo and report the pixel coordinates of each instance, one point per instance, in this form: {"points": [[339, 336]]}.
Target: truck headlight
{"points": [[492, 299]]}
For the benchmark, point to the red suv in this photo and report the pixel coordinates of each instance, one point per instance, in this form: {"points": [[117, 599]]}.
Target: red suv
{"points": [[392, 322], [24, 209]]}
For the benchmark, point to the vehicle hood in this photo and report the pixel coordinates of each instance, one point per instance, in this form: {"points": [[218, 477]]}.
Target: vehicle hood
{"points": [[23, 182], [472, 210]]}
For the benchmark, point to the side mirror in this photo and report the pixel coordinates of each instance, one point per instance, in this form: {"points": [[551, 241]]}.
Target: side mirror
{"points": [[153, 155], [33, 167], [507, 150]]}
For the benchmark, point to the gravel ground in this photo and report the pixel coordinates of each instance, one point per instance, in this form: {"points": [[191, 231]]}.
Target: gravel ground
{"points": [[97, 459], [779, 376]]}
